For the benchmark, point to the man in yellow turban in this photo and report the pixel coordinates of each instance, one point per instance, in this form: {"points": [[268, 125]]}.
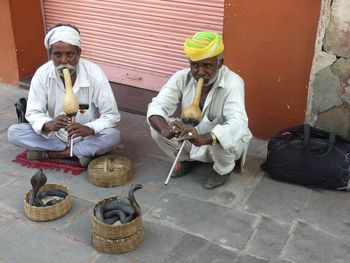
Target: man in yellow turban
{"points": [[222, 136]]}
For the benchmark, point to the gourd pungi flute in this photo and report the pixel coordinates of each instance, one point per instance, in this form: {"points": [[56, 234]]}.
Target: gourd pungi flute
{"points": [[70, 103]]}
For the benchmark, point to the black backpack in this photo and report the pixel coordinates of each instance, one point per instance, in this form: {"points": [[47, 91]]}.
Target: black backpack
{"points": [[309, 156], [21, 107]]}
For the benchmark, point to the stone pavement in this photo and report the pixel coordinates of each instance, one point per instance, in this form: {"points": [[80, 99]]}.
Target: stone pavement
{"points": [[251, 219]]}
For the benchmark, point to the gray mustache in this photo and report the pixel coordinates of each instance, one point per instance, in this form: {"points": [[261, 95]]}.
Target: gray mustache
{"points": [[63, 66], [72, 69]]}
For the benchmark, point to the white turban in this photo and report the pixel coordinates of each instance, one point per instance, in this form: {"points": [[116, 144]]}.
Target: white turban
{"points": [[65, 34]]}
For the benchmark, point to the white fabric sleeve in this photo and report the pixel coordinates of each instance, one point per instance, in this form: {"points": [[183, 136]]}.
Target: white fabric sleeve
{"points": [[165, 103], [36, 113], [235, 125]]}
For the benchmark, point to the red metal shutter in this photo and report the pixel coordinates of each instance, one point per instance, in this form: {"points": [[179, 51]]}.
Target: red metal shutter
{"points": [[137, 42]]}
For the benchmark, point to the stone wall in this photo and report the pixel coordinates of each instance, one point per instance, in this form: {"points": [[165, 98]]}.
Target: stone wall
{"points": [[329, 88]]}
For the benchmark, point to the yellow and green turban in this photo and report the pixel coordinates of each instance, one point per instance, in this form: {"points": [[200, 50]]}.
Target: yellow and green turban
{"points": [[203, 45]]}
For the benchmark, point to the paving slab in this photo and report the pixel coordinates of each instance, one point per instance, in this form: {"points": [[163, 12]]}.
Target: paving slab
{"points": [[258, 148], [241, 185], [269, 238], [330, 210], [8, 154], [5, 180], [186, 249], [213, 254], [79, 227], [21, 241], [249, 259], [283, 261], [4, 220], [11, 197], [309, 244], [278, 199], [227, 226]]}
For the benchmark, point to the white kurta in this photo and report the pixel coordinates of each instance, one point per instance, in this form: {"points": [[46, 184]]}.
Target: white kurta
{"points": [[45, 99], [224, 112]]}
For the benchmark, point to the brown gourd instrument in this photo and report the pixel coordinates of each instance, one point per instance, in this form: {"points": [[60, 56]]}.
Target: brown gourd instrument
{"points": [[70, 103], [191, 115]]}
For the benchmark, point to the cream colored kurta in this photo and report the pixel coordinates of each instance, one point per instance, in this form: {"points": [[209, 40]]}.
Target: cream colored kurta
{"points": [[45, 99], [224, 114]]}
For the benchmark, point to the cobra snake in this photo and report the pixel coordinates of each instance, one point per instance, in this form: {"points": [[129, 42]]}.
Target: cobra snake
{"points": [[123, 209], [43, 198]]}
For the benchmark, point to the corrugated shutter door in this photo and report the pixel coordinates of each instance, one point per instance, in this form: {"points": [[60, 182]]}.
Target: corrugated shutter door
{"points": [[137, 42]]}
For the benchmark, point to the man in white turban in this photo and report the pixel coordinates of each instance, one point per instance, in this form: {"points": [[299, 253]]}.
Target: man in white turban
{"points": [[94, 130], [222, 136]]}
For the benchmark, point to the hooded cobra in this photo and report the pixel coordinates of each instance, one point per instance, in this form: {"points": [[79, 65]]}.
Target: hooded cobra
{"points": [[122, 209], [38, 180]]}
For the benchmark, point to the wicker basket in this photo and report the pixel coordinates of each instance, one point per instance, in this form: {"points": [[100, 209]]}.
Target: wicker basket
{"points": [[117, 246], [110, 170], [116, 238], [48, 213]]}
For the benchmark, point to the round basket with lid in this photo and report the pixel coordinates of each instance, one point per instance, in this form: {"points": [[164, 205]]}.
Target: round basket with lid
{"points": [[110, 170]]}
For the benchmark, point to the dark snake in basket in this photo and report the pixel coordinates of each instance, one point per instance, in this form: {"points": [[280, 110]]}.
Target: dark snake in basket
{"points": [[123, 210], [38, 180]]}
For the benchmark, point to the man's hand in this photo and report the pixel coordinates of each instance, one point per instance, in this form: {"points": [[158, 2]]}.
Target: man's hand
{"points": [[189, 133], [76, 129], [180, 130], [170, 131], [57, 123], [186, 132]]}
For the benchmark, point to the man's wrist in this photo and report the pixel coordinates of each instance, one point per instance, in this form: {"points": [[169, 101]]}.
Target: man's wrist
{"points": [[163, 132], [45, 128]]}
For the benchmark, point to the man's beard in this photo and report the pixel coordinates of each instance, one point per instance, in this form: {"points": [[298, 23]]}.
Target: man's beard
{"points": [[72, 69], [208, 82]]}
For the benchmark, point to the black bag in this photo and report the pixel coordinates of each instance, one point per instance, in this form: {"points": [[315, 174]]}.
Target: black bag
{"points": [[21, 107], [309, 156]]}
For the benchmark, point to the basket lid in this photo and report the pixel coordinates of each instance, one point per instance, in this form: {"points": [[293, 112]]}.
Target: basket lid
{"points": [[110, 164]]}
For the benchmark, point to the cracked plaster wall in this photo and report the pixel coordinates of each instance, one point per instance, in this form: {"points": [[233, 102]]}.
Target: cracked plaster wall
{"points": [[329, 88]]}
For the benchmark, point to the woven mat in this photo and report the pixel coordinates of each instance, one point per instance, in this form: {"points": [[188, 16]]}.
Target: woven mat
{"points": [[65, 165]]}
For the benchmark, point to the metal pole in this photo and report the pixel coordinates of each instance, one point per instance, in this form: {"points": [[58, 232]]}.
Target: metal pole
{"points": [[177, 157]]}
